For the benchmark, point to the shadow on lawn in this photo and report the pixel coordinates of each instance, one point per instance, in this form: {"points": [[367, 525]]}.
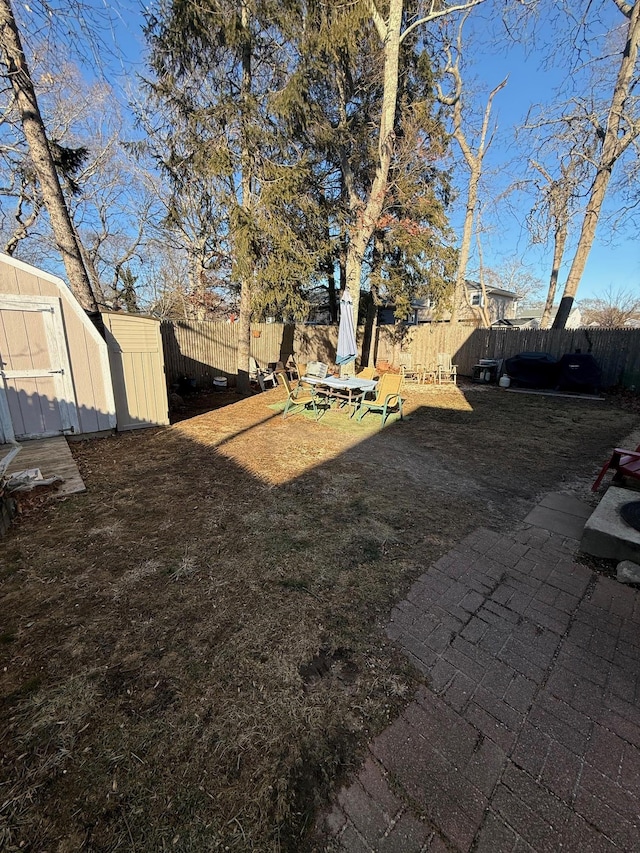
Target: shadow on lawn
{"points": [[211, 612]]}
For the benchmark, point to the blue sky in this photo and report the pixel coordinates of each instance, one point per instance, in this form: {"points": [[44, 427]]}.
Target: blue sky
{"points": [[614, 261]]}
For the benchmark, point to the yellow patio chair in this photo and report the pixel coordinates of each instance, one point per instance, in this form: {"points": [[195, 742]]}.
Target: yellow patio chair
{"points": [[387, 397], [297, 395], [301, 369]]}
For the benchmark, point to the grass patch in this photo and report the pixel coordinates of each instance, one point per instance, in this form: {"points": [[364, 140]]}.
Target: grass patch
{"points": [[339, 419], [198, 640]]}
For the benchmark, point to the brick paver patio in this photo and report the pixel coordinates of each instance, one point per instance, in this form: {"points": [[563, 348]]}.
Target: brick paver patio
{"points": [[526, 735]]}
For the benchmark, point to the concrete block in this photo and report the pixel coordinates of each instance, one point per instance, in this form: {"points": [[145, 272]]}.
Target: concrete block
{"points": [[556, 521], [567, 504], [606, 534], [628, 572]]}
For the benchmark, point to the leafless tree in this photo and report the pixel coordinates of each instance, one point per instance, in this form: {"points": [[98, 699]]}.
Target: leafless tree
{"points": [[107, 195], [619, 129], [366, 209], [613, 309], [473, 160], [515, 276], [16, 70], [552, 215]]}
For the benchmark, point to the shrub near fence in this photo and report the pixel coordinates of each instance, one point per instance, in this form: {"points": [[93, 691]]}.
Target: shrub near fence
{"points": [[202, 350]]}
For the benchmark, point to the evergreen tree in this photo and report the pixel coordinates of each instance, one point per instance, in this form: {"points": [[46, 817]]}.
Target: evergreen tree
{"points": [[216, 68]]}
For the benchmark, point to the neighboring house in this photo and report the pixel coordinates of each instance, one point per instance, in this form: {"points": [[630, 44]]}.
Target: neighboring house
{"points": [[501, 304], [319, 310], [530, 319]]}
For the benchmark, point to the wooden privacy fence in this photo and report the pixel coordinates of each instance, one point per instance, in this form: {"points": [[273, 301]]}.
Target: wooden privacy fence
{"points": [[202, 350], [617, 351]]}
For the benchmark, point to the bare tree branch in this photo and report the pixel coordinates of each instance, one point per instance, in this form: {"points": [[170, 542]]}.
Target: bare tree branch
{"points": [[378, 21], [473, 160], [434, 14]]}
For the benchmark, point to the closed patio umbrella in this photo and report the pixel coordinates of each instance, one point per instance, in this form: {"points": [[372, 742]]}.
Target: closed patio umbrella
{"points": [[347, 349]]}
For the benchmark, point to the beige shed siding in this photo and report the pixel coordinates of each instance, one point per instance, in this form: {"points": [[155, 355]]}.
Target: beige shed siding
{"points": [[8, 279], [87, 351], [137, 367]]}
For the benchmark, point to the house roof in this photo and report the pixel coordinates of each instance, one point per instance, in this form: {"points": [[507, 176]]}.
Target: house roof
{"points": [[515, 323], [494, 291], [535, 312]]}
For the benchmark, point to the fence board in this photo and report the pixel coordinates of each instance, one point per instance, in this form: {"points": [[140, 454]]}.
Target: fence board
{"points": [[202, 350]]}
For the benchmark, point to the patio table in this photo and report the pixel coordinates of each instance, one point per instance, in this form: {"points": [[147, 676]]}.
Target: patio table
{"points": [[349, 389]]}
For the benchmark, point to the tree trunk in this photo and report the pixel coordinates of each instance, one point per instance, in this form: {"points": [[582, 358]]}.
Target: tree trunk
{"points": [[36, 136], [474, 164], [369, 342], [467, 234], [614, 143], [587, 236], [244, 323], [560, 239], [244, 339], [367, 216], [355, 255], [482, 309]]}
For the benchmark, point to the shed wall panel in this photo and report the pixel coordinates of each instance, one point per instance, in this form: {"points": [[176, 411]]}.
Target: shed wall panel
{"points": [[8, 279], [137, 368], [135, 334]]}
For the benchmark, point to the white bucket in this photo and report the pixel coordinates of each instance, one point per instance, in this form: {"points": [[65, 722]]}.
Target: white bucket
{"points": [[219, 383], [504, 382]]}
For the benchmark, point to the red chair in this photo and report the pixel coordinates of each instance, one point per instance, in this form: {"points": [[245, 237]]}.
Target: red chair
{"points": [[626, 463]]}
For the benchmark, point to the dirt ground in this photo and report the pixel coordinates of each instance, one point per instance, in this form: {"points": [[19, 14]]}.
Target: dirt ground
{"points": [[193, 652]]}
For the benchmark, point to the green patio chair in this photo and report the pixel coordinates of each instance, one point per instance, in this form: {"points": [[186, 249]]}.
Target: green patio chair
{"points": [[387, 399], [297, 395]]}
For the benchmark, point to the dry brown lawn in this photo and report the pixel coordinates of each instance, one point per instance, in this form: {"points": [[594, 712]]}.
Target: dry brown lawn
{"points": [[194, 650]]}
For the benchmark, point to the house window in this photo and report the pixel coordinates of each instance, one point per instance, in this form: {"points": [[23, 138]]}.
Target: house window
{"points": [[476, 299]]}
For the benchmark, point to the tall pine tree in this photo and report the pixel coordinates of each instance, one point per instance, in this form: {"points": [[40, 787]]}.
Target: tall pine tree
{"points": [[217, 68]]}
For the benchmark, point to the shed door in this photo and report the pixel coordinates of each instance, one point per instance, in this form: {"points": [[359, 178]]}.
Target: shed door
{"points": [[36, 386]]}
